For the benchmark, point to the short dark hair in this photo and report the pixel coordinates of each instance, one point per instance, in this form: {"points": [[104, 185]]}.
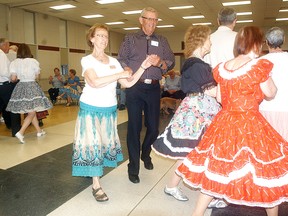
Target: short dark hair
{"points": [[73, 71], [24, 51], [91, 33], [226, 16], [56, 68], [249, 38]]}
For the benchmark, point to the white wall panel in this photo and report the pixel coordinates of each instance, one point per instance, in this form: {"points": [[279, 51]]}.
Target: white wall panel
{"points": [[3, 22], [77, 35], [47, 30]]}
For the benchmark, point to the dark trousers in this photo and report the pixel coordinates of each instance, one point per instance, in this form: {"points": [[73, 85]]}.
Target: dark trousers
{"points": [[53, 93], [142, 97], [12, 120], [177, 95]]}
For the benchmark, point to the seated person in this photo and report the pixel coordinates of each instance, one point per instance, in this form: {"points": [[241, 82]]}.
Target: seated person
{"points": [[172, 86], [57, 82], [73, 88]]}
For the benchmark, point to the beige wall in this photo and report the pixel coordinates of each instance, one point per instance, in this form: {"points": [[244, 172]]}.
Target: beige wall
{"points": [[51, 32]]}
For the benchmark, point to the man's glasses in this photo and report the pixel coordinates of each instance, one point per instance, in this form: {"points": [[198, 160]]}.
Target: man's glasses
{"points": [[150, 19]]}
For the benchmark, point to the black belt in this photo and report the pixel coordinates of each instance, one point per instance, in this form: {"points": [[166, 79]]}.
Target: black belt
{"points": [[149, 81], [4, 83]]}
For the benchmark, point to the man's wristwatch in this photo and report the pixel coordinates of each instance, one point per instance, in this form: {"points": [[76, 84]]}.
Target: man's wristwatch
{"points": [[160, 65]]}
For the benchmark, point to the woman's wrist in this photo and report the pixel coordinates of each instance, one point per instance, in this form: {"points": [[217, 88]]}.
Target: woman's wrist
{"points": [[143, 67]]}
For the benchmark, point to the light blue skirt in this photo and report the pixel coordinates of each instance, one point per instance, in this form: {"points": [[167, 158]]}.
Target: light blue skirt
{"points": [[96, 142]]}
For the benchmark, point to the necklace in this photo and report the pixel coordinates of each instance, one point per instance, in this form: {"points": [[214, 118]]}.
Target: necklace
{"points": [[102, 58]]}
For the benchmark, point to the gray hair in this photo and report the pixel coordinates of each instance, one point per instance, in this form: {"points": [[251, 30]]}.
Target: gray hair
{"points": [[226, 16], [3, 41], [148, 9], [275, 37]]}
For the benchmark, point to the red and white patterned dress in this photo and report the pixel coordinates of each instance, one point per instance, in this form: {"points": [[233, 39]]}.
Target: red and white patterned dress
{"points": [[241, 158]]}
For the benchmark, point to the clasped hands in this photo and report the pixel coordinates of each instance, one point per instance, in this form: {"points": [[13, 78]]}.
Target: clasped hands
{"points": [[150, 60]]}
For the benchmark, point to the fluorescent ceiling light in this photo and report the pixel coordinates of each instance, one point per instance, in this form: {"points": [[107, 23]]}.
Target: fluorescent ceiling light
{"points": [[281, 19], [284, 10], [165, 26], [132, 12], [131, 28], [193, 17], [244, 13], [108, 1], [92, 16], [244, 21], [181, 7], [114, 23], [236, 3], [62, 7], [207, 23]]}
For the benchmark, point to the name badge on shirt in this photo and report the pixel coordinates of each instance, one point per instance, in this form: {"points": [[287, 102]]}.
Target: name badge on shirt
{"points": [[112, 67], [154, 43]]}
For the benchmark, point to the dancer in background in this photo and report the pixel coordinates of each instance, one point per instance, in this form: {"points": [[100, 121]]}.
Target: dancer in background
{"points": [[27, 96]]}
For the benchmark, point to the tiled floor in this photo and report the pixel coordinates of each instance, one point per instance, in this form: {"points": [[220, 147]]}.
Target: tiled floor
{"points": [[35, 180]]}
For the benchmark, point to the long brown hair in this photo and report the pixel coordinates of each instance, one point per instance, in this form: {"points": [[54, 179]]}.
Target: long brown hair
{"points": [[24, 51]]}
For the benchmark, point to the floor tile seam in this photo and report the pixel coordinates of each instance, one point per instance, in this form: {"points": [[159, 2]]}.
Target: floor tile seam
{"points": [[44, 178], [151, 189]]}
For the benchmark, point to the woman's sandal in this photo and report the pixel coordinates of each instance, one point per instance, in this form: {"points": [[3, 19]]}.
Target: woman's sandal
{"points": [[99, 197]]}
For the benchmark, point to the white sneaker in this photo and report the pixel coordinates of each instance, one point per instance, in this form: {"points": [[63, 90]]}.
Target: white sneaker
{"points": [[176, 193], [2, 119], [42, 133], [217, 203], [20, 137]]}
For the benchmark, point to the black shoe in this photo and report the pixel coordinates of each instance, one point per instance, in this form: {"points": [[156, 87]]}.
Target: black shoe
{"points": [[122, 107], [40, 123], [134, 178], [148, 165]]}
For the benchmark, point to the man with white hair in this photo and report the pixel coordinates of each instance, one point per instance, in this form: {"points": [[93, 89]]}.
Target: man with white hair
{"points": [[12, 121], [12, 54]]}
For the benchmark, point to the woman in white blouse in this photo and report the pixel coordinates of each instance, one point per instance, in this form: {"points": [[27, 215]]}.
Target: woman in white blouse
{"points": [[96, 143], [27, 96]]}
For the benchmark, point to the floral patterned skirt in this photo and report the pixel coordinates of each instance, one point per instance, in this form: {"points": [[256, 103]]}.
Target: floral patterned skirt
{"points": [[96, 142], [186, 127]]}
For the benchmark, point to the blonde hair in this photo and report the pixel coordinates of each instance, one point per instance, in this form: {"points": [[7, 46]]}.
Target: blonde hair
{"points": [[195, 37]]}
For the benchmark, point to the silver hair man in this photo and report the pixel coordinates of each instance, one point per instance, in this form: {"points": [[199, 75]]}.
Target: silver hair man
{"points": [[226, 16], [275, 37]]}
